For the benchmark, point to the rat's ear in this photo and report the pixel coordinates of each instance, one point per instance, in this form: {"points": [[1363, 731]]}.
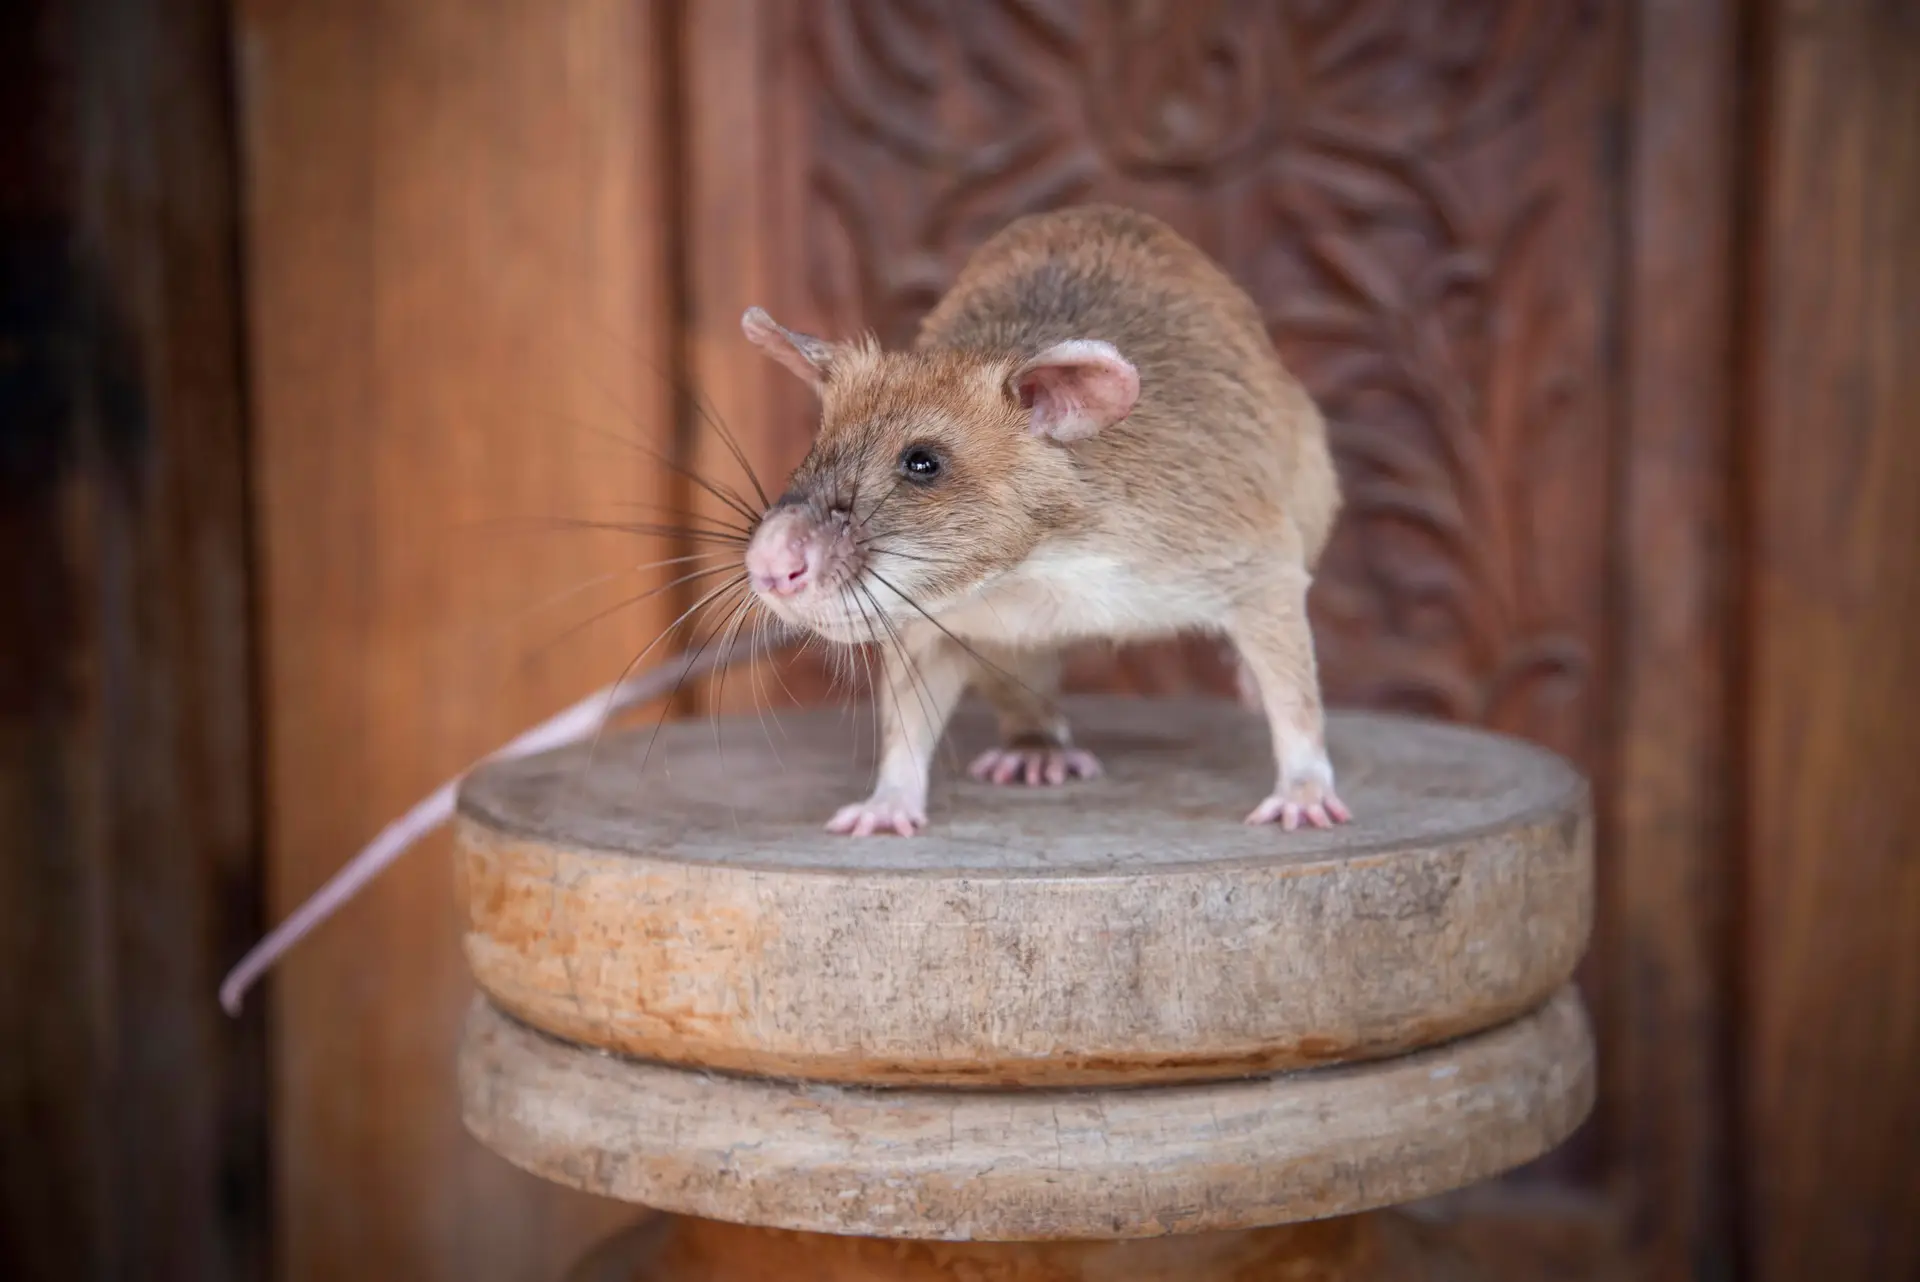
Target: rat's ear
{"points": [[1076, 389], [809, 357]]}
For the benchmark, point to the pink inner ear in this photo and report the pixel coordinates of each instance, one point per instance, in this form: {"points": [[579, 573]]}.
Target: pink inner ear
{"points": [[1076, 389]]}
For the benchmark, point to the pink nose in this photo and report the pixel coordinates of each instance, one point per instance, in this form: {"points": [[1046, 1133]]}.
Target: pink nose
{"points": [[780, 560]]}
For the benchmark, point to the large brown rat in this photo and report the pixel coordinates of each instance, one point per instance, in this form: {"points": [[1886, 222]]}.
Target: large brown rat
{"points": [[1090, 438]]}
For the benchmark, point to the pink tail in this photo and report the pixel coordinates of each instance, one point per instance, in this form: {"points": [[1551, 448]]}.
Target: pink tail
{"points": [[576, 723]]}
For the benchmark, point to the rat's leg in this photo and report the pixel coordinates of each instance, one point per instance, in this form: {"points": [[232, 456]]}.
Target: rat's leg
{"points": [[1269, 625], [923, 674], [1035, 744]]}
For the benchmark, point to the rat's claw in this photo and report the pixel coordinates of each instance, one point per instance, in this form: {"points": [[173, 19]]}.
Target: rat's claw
{"points": [[877, 815], [1276, 808], [1034, 766], [1311, 803]]}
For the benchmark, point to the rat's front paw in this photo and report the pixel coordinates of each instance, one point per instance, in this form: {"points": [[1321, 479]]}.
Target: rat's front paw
{"points": [[1034, 765], [1312, 800], [879, 813]]}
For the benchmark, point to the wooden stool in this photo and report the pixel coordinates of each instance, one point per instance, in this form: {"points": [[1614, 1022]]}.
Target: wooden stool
{"points": [[1102, 1031]]}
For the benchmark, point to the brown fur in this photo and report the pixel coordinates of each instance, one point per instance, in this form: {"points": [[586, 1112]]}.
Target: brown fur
{"points": [[1220, 423]]}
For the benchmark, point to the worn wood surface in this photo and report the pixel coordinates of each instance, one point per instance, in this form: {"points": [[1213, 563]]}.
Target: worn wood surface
{"points": [[1830, 1052], [1030, 1164], [1377, 1247], [458, 319], [676, 898], [132, 1112]]}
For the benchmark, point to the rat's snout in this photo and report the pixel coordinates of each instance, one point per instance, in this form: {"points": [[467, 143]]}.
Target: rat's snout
{"points": [[786, 555]]}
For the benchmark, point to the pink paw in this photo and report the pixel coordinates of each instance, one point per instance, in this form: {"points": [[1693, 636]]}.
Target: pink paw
{"points": [[878, 814], [1034, 766], [1315, 803]]}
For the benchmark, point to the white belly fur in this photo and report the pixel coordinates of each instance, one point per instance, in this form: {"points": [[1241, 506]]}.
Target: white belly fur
{"points": [[1065, 594]]}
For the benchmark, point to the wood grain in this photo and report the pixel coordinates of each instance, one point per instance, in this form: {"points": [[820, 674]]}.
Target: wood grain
{"points": [[1664, 962], [1830, 1052], [1131, 930], [132, 1113], [458, 317], [940, 1165]]}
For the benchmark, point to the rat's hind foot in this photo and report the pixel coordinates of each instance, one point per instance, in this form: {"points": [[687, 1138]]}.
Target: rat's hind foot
{"points": [[1034, 764], [1311, 801], [880, 813]]}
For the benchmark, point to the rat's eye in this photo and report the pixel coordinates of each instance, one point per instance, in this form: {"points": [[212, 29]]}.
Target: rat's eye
{"points": [[918, 463]]}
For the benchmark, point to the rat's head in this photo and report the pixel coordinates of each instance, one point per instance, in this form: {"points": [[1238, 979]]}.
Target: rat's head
{"points": [[932, 472]]}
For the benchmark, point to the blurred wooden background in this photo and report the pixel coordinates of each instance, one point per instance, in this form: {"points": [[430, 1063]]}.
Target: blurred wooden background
{"points": [[322, 325]]}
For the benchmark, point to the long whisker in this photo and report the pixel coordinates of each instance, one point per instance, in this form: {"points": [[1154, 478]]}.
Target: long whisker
{"points": [[1039, 702], [877, 506], [734, 620], [712, 419], [700, 649], [756, 654], [686, 389], [729, 626], [881, 696], [871, 550], [719, 490], [618, 606], [636, 527], [906, 657], [597, 580], [761, 626], [718, 522], [664, 634], [864, 651], [886, 634], [666, 706], [876, 697]]}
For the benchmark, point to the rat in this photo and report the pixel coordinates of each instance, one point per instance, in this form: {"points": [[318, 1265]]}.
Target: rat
{"points": [[1091, 438]]}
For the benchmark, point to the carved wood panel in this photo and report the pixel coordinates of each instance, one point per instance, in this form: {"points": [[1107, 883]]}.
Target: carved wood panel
{"points": [[1407, 188]]}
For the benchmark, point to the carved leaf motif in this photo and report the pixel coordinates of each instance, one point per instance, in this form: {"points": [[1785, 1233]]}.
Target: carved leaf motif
{"points": [[1373, 173]]}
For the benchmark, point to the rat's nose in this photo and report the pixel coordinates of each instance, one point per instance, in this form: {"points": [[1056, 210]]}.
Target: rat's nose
{"points": [[780, 559]]}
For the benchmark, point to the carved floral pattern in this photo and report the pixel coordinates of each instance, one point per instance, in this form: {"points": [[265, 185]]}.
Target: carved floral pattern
{"points": [[1376, 174]]}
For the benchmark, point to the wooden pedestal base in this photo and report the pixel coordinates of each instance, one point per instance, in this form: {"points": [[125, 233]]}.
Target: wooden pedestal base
{"points": [[1382, 1246], [1105, 1033]]}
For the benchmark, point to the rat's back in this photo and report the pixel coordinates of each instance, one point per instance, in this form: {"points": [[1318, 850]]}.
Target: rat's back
{"points": [[1219, 421], [1096, 271]]}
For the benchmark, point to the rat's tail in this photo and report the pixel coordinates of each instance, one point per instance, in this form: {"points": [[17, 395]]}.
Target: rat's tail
{"points": [[577, 722]]}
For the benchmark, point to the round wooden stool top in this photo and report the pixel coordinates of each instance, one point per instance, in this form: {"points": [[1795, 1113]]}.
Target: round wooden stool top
{"points": [[675, 898]]}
